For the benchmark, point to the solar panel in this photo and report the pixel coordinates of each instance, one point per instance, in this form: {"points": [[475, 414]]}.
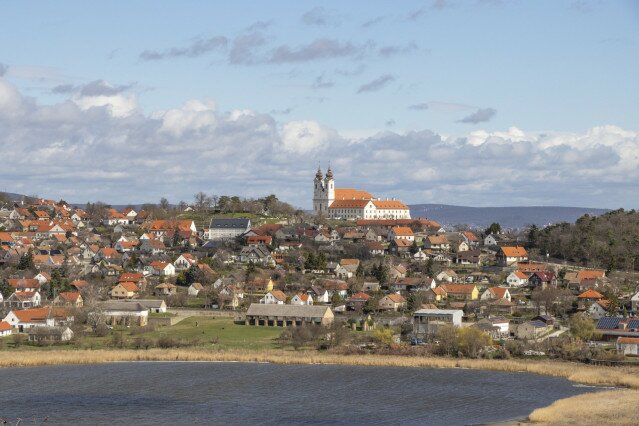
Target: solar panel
{"points": [[633, 323], [607, 323]]}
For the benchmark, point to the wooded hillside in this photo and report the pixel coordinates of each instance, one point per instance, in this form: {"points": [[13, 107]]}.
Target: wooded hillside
{"points": [[608, 241]]}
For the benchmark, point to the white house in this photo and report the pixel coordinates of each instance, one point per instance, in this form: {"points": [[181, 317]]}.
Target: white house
{"points": [[162, 268], [495, 293], [185, 261], [627, 345], [227, 229], [598, 310], [5, 329], [302, 299], [275, 297], [23, 300], [517, 279], [634, 300], [195, 289]]}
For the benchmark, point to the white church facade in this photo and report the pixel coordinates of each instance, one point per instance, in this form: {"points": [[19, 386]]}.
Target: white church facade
{"points": [[348, 203]]}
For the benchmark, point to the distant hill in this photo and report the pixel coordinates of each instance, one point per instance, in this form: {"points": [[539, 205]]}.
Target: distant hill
{"points": [[507, 217]]}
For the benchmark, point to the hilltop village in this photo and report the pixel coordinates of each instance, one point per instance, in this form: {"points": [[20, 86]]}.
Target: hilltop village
{"points": [[357, 275]]}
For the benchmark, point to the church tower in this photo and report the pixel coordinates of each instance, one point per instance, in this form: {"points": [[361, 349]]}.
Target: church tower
{"points": [[320, 200], [329, 184]]}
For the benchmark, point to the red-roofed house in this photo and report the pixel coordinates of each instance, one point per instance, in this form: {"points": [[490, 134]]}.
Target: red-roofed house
{"points": [[302, 299], [392, 302], [507, 256], [494, 293]]}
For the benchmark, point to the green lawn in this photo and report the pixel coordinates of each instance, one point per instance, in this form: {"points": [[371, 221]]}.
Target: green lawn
{"points": [[224, 331]]}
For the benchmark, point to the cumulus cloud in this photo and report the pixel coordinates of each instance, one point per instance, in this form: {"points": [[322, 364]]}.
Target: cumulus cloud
{"points": [[479, 116], [197, 48], [84, 154], [303, 137], [377, 84]]}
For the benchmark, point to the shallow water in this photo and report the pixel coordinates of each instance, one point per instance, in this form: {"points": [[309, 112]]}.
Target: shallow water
{"points": [[239, 393]]}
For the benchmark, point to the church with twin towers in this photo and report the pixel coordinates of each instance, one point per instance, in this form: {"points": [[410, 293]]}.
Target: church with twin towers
{"points": [[349, 203]]}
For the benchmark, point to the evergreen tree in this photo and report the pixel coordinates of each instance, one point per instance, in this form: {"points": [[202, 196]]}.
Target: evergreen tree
{"points": [[311, 262], [320, 262], [5, 289], [26, 261]]}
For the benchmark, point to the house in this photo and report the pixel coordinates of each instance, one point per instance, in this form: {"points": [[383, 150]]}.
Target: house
{"points": [[625, 345], [155, 306], [69, 298], [259, 286], [400, 247], [256, 254], [165, 289], [24, 284], [375, 248], [119, 312], [397, 271], [494, 293], [599, 309], [461, 291], [43, 277], [587, 298], [508, 255], [319, 294], [468, 257], [436, 294], [634, 302], [447, 275], [346, 268], [49, 334], [495, 327], [302, 299], [274, 297], [227, 229], [613, 327], [195, 289], [542, 280], [153, 247], [493, 240], [371, 286], [437, 243], [500, 307], [517, 279], [533, 330], [471, 238], [37, 317], [428, 321], [163, 269], [23, 300], [184, 261], [125, 290], [338, 287], [288, 315], [392, 302], [5, 329], [401, 233], [357, 301]]}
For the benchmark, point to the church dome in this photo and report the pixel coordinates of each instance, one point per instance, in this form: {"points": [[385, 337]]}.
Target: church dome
{"points": [[318, 175], [329, 174]]}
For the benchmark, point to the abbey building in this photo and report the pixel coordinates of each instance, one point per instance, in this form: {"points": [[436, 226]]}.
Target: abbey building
{"points": [[348, 203]]}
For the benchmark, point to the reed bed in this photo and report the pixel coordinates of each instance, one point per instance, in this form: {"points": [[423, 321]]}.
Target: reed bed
{"points": [[617, 407], [627, 377]]}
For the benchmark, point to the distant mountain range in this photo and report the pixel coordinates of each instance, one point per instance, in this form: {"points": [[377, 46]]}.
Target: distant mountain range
{"points": [[507, 217]]}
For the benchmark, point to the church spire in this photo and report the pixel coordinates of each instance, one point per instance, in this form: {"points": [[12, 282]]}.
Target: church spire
{"points": [[318, 175], [329, 172]]}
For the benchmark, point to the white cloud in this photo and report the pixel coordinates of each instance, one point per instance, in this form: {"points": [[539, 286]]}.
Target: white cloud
{"points": [[303, 137], [120, 105], [93, 153], [193, 116]]}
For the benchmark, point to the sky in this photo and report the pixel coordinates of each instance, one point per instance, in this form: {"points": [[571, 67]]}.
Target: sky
{"points": [[476, 102]]}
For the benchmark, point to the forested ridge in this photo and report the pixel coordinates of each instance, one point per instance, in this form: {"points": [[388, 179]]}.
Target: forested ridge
{"points": [[609, 241]]}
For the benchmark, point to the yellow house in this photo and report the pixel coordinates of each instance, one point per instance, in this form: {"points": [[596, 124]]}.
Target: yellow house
{"points": [[259, 287], [125, 290], [461, 291]]}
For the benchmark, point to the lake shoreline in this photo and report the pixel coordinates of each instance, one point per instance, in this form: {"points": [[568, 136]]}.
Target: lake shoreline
{"points": [[619, 377]]}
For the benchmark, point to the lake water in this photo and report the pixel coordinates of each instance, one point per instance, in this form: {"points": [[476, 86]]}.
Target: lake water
{"points": [[238, 393]]}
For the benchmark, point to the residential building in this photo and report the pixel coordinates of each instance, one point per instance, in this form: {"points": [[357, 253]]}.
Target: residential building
{"points": [[227, 229], [507, 256], [288, 315], [429, 321]]}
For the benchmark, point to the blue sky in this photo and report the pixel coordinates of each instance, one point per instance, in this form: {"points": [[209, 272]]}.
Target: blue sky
{"points": [[423, 100]]}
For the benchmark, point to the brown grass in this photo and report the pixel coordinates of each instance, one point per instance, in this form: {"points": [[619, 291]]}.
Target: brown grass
{"points": [[591, 375], [616, 407]]}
